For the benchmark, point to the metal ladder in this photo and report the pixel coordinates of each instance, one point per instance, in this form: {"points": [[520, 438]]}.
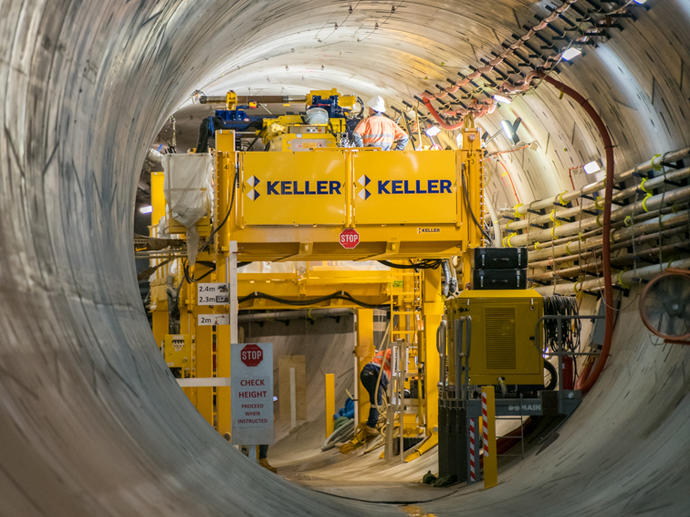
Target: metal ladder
{"points": [[404, 414]]}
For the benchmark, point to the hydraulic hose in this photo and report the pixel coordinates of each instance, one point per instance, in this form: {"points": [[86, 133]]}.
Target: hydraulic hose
{"points": [[585, 383]]}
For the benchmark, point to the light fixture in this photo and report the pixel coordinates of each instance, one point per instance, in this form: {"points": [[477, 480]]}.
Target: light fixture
{"points": [[592, 167], [501, 98], [570, 53], [640, 1], [432, 131], [146, 209], [507, 129]]}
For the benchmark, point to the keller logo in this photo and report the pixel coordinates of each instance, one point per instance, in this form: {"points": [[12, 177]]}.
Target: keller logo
{"points": [[363, 182], [414, 186], [394, 187], [253, 193], [292, 188]]}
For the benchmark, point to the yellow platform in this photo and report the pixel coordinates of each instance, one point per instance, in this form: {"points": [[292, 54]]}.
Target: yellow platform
{"points": [[294, 205]]}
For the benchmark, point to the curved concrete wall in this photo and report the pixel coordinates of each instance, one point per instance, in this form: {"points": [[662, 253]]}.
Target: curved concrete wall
{"points": [[90, 420]]}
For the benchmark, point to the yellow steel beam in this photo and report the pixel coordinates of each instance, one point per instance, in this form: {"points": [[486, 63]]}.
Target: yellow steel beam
{"points": [[329, 400], [158, 286], [432, 313], [369, 286], [225, 174], [472, 166]]}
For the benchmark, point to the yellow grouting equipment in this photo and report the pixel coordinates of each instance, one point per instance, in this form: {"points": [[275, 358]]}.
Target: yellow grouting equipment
{"points": [[293, 206]]}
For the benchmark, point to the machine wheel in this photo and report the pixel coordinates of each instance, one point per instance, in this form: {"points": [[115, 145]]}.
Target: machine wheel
{"points": [[550, 376]]}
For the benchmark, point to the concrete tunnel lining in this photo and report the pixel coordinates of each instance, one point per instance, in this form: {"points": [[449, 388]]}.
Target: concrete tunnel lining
{"points": [[91, 419]]}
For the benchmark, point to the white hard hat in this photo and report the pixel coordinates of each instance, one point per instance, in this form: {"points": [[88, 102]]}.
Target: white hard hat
{"points": [[377, 104]]}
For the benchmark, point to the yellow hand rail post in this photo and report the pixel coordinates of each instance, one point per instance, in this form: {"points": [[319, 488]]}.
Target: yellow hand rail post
{"points": [[330, 402], [489, 436]]}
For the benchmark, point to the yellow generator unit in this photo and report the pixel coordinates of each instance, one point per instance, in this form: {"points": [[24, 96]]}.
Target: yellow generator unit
{"points": [[177, 351], [499, 327]]}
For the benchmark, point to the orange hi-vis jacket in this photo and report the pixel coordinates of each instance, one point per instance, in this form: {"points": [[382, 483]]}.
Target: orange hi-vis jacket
{"points": [[380, 131], [378, 359]]}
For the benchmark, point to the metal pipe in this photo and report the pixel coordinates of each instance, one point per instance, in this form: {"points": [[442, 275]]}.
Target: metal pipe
{"points": [[646, 166], [653, 183], [246, 99], [651, 225], [468, 338], [441, 347], [596, 284], [586, 253], [596, 265], [606, 248], [459, 324], [654, 202]]}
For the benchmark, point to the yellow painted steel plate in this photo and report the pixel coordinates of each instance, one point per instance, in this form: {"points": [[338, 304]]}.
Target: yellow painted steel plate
{"points": [[405, 187], [294, 188]]}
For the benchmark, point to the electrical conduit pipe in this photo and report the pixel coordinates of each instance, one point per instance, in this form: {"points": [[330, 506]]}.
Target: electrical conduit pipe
{"points": [[585, 383]]}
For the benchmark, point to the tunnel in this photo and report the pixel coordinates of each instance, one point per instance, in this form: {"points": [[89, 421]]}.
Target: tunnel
{"points": [[92, 422]]}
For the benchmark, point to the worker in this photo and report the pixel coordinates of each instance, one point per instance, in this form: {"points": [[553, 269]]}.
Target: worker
{"points": [[377, 130], [261, 451], [372, 375], [263, 458]]}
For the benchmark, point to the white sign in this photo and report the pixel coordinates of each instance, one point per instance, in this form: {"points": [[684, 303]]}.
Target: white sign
{"points": [[213, 319], [212, 294], [252, 393]]}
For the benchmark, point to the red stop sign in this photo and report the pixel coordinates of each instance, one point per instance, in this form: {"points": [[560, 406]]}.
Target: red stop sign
{"points": [[251, 355], [349, 238]]}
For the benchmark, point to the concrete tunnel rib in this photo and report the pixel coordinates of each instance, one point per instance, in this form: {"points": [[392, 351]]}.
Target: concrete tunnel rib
{"points": [[90, 419]]}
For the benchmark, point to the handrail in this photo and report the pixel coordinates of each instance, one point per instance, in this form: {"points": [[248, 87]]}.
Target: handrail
{"points": [[441, 347], [459, 324]]}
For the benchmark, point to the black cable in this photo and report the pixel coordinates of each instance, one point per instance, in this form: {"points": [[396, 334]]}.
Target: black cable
{"points": [[340, 295], [570, 329], [227, 214], [422, 264], [253, 142], [469, 208], [190, 280]]}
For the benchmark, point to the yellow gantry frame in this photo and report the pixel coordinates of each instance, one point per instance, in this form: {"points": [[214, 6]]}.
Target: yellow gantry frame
{"points": [[415, 218], [471, 164]]}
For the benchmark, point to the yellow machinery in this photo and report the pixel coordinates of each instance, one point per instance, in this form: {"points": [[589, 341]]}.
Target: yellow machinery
{"points": [[294, 206], [288, 133], [177, 352], [493, 332], [313, 281]]}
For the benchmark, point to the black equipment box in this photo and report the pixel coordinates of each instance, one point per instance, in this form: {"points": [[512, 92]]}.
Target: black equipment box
{"points": [[500, 279], [500, 258]]}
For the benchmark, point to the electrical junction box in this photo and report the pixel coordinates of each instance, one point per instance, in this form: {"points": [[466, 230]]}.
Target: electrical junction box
{"points": [[502, 344], [177, 350]]}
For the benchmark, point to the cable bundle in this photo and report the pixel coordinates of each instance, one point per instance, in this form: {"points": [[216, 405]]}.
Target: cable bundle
{"points": [[569, 328]]}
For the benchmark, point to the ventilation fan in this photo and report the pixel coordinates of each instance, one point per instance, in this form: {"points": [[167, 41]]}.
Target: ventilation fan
{"points": [[665, 305]]}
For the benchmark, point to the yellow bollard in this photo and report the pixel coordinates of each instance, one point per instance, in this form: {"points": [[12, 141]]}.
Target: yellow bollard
{"points": [[330, 402], [489, 436]]}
